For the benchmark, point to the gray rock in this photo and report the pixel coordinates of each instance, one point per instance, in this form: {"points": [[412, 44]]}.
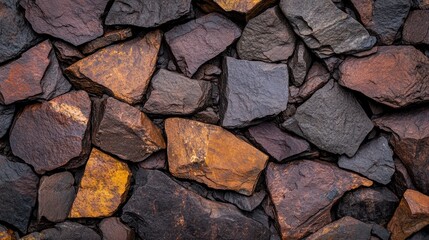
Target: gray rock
{"points": [[299, 64], [252, 90], [69, 231], [6, 117], [246, 203]]}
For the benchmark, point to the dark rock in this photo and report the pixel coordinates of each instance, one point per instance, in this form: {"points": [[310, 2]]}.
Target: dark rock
{"points": [[67, 53], [299, 64], [246, 203], [244, 8], [401, 180], [157, 160], [69, 231], [380, 232], [420, 235], [416, 28], [6, 118], [343, 229], [209, 115], [208, 72], [113, 229], [109, 37], [252, 90]]}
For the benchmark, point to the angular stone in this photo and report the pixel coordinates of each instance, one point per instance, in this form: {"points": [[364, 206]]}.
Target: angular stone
{"points": [[103, 187], [395, 76], [416, 28], [401, 180], [162, 209], [299, 64], [345, 228], [122, 70], [204, 153], [249, 8], [304, 191], [174, 94], [422, 234], [330, 31], [147, 14], [67, 53], [18, 193], [207, 36], [209, 115], [316, 78], [53, 134], [252, 90], [125, 131], [69, 230], [246, 203], [6, 118], [411, 215], [333, 120], [267, 37], [157, 160], [76, 22], [113, 229], [109, 37]]}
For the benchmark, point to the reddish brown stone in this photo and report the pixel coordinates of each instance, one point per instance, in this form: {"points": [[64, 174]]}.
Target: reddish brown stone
{"points": [[113, 229], [157, 160], [345, 228], [108, 38], [8, 234], [416, 28], [401, 180], [364, 9], [248, 8], [67, 53]]}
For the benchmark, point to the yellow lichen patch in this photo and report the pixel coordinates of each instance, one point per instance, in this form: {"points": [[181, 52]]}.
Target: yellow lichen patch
{"points": [[103, 187]]}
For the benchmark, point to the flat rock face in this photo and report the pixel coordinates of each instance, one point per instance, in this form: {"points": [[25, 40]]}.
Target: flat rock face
{"points": [[204, 153], [162, 209], [6, 118], [267, 37], [76, 22], [18, 193], [207, 36], [345, 228], [303, 199], [333, 120], [252, 90], [174, 94], [125, 131], [330, 31], [103, 187], [69, 230], [122, 70], [246, 203], [146, 14], [416, 28], [109, 37], [113, 229], [299, 64], [411, 215], [395, 76], [53, 134]]}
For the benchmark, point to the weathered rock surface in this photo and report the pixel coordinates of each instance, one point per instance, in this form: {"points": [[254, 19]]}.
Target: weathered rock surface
{"points": [[416, 28], [303, 199], [204, 153], [162, 209], [109, 37], [207, 36], [103, 187], [246, 203], [396, 76], [401, 180], [53, 134], [122, 70], [157, 160], [7, 234], [113, 229], [343, 229], [67, 53], [252, 90], [69, 230], [299, 64], [316, 78], [6, 118]]}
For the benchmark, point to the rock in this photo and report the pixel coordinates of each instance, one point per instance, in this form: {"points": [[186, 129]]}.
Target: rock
{"points": [[330, 31], [125, 131], [420, 235], [18, 193], [69, 230], [279, 144], [246, 203], [209, 115], [267, 37], [67, 53], [174, 94], [373, 160], [76, 22], [7, 234], [333, 120], [401, 180], [203, 152], [157, 160], [207, 36], [343, 229], [299, 64], [411, 215], [103, 187], [248, 8], [395, 76], [56, 195], [303, 199], [113, 229], [422, 4], [252, 90], [207, 71], [53, 134], [147, 14], [122, 70], [162, 209], [317, 77], [370, 205], [6, 118], [416, 28], [109, 37]]}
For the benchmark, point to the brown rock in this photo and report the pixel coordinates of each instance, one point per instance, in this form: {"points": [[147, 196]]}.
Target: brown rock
{"points": [[209, 115], [53, 134], [157, 160], [113, 229], [345, 228], [109, 37], [364, 9], [103, 187], [122, 70], [395, 76], [411, 215], [304, 191], [416, 28], [67, 53], [401, 180], [8, 234], [213, 156], [249, 8]]}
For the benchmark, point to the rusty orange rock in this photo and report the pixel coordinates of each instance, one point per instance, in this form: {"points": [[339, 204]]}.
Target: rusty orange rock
{"points": [[103, 187], [211, 155], [248, 7]]}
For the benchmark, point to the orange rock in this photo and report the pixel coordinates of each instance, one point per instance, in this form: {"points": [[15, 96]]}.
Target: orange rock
{"points": [[248, 7], [410, 216], [213, 156], [103, 187]]}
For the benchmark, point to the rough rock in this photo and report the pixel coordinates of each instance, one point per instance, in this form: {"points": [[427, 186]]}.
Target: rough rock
{"points": [[333, 120], [18, 193], [125, 131], [8, 234], [373, 160], [207, 36], [267, 37], [162, 209], [303, 199], [252, 90], [248, 8], [316, 78], [103, 187], [416, 28], [343, 229], [109, 37], [174, 94], [299, 64], [76, 22], [203, 152], [53, 134], [209, 115], [246, 203], [67, 53], [6, 118], [330, 31], [157, 160], [122, 70], [401, 180], [395, 76], [69, 230], [113, 229], [422, 234]]}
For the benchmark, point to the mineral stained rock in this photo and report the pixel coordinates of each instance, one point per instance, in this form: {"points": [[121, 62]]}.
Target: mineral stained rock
{"points": [[345, 228], [113, 229], [69, 230], [416, 28], [248, 8], [108, 38], [67, 53]]}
